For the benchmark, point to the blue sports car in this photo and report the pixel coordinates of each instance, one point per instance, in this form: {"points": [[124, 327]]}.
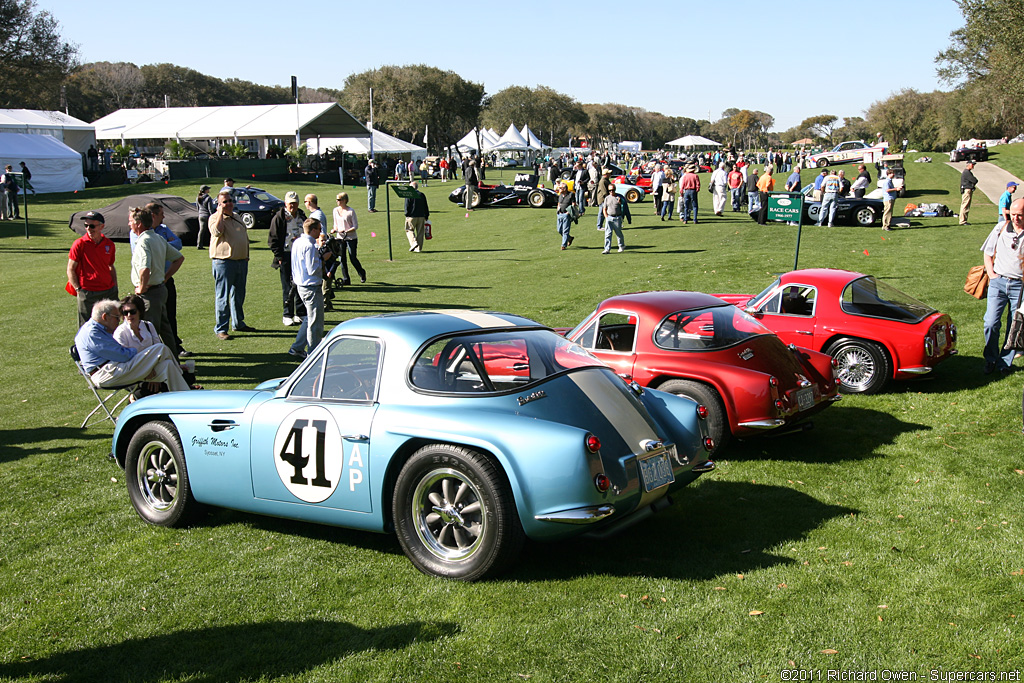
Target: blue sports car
{"points": [[462, 432]]}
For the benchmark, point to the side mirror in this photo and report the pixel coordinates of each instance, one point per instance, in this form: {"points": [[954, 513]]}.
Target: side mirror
{"points": [[750, 310]]}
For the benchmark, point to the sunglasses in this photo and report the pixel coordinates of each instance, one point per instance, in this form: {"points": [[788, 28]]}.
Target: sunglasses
{"points": [[129, 311], [94, 225], [227, 201]]}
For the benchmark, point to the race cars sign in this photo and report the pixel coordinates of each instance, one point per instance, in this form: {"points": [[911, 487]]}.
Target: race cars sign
{"points": [[785, 207], [525, 181]]}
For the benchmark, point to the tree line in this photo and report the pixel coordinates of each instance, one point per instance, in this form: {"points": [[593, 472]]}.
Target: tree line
{"points": [[434, 107]]}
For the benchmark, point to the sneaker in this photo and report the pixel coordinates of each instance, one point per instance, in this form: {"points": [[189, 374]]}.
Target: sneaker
{"points": [[287, 321], [297, 354], [362, 278], [185, 354], [622, 249], [297, 320], [605, 251]]}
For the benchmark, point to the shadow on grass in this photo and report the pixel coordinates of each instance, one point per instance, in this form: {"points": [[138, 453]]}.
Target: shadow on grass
{"points": [[226, 653], [958, 373], [21, 443], [910, 194], [841, 433], [714, 528]]}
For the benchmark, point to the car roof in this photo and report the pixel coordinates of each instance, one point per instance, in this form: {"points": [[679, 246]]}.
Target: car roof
{"points": [[661, 303], [822, 277], [415, 327]]}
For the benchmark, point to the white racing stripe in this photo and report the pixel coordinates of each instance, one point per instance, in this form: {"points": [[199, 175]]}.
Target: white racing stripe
{"points": [[622, 414], [476, 318]]}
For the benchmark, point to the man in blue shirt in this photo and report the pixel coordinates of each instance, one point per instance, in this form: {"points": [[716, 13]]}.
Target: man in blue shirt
{"points": [[888, 198], [308, 276], [109, 364], [1005, 200]]}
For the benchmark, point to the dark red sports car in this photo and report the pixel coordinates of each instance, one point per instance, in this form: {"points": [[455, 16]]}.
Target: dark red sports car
{"points": [[873, 330], [697, 345]]}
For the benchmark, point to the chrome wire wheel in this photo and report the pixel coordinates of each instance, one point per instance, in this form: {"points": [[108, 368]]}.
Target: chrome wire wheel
{"points": [[448, 515], [856, 367], [157, 476]]}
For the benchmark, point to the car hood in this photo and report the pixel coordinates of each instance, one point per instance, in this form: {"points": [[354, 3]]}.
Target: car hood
{"points": [[739, 300], [225, 401]]}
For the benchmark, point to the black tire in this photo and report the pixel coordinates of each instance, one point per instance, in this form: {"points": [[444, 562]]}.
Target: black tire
{"points": [[157, 477], [566, 174], [634, 196], [864, 366], [821, 163], [718, 426], [865, 216], [454, 513], [535, 199], [248, 220], [477, 199]]}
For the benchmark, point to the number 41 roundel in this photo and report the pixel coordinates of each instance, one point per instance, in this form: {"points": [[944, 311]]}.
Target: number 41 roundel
{"points": [[308, 454]]}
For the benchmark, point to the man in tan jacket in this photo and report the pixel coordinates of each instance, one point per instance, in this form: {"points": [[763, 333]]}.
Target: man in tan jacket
{"points": [[229, 251]]}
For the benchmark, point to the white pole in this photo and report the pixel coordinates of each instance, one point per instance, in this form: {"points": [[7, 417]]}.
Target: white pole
{"points": [[371, 123]]}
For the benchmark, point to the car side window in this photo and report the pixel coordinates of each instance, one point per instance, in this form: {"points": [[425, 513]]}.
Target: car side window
{"points": [[309, 384], [352, 369], [792, 300], [241, 198], [589, 336], [616, 332]]}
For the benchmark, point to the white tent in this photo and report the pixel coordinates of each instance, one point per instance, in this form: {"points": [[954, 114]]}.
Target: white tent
{"points": [[55, 167], [76, 134], [489, 137], [629, 146], [534, 141], [382, 144], [693, 141], [260, 122], [468, 142], [511, 141]]}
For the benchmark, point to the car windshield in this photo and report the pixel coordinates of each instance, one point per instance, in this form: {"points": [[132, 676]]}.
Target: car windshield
{"points": [[755, 301], [870, 297], [491, 362], [705, 329]]}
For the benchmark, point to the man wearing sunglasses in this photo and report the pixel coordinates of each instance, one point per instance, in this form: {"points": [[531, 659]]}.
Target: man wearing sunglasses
{"points": [[1003, 250], [229, 252], [91, 270]]}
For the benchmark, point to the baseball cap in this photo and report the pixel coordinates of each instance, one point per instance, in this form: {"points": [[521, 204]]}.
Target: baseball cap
{"points": [[94, 216], [1011, 184], [290, 197]]}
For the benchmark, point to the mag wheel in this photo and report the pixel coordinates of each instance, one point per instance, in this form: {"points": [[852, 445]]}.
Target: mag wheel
{"points": [[157, 477]]}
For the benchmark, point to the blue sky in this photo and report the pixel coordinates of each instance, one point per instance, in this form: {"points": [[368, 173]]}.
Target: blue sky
{"points": [[791, 60]]}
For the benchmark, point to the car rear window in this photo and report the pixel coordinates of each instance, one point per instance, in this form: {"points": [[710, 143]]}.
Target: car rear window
{"points": [[873, 298], [705, 329], [493, 362]]}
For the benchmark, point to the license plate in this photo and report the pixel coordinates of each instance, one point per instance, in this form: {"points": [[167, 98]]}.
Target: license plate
{"points": [[940, 339], [805, 398], [656, 472]]}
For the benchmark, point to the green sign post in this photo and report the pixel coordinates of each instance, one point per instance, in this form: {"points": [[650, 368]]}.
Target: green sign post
{"points": [[788, 207]]}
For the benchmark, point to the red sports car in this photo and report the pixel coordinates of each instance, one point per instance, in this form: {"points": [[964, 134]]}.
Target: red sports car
{"points": [[873, 330], [697, 345]]}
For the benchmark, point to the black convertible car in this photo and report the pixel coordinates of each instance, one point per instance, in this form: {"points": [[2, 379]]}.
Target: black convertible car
{"points": [[524, 193], [849, 210], [255, 207]]}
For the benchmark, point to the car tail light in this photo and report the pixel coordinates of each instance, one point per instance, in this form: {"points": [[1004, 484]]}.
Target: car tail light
{"points": [[835, 363], [702, 411], [602, 482], [593, 443], [778, 403], [709, 444], [773, 381]]}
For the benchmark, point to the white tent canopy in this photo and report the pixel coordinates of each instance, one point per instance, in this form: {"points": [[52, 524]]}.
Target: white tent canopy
{"points": [[262, 122], [511, 141], [534, 141], [74, 133], [55, 167], [382, 144], [468, 143], [693, 141]]}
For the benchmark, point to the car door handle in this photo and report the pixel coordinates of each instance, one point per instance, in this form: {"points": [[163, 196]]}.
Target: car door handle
{"points": [[355, 437], [803, 332], [222, 425]]}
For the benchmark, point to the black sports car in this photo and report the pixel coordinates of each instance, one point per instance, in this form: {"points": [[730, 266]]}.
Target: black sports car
{"points": [[849, 210], [255, 206], [523, 193]]}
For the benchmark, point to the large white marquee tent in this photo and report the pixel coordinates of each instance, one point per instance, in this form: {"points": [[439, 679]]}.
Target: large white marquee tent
{"points": [[382, 144], [262, 123], [74, 133]]}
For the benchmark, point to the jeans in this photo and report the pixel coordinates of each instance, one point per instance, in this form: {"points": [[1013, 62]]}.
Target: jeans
{"points": [[311, 331], [563, 223], [229, 286], [829, 202], [348, 251], [737, 198], [289, 298], [1002, 295], [581, 191], [613, 224], [371, 197], [689, 206], [600, 218], [666, 208]]}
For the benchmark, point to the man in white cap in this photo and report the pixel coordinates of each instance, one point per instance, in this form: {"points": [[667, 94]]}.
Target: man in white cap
{"points": [[285, 227]]}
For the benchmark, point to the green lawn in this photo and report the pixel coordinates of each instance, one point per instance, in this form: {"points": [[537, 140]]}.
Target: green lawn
{"points": [[889, 537]]}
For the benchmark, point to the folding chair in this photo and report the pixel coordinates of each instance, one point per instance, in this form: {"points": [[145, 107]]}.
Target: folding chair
{"points": [[102, 402]]}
